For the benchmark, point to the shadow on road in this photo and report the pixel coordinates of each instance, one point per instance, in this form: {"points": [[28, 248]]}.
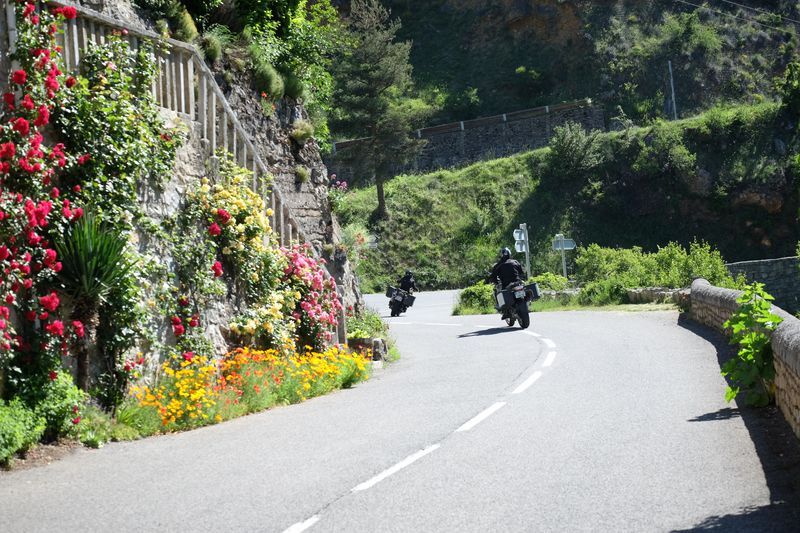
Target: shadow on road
{"points": [[489, 331], [723, 414], [778, 450]]}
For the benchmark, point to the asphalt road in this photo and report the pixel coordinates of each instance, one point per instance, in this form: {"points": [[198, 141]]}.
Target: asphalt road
{"points": [[587, 421]]}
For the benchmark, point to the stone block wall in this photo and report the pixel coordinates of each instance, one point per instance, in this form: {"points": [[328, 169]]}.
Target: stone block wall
{"points": [[781, 278], [714, 305], [462, 143]]}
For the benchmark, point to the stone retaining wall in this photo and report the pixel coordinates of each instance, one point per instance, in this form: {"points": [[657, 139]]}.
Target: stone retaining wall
{"points": [[714, 305], [462, 143], [781, 278]]}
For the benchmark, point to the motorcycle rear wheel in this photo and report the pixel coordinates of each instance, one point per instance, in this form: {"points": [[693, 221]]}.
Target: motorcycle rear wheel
{"points": [[510, 320], [395, 308], [523, 314]]}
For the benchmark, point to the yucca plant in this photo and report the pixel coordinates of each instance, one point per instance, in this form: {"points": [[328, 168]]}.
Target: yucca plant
{"points": [[95, 261]]}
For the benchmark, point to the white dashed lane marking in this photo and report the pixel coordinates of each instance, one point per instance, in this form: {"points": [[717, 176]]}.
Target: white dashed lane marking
{"points": [[528, 382], [551, 356], [302, 526], [480, 417], [396, 468]]}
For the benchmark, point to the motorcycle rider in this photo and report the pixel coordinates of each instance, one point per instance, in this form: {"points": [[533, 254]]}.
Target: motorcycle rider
{"points": [[506, 271], [408, 283]]}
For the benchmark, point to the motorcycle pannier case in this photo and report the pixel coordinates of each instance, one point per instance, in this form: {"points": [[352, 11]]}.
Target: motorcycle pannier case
{"points": [[534, 290], [505, 298], [390, 291], [408, 301]]}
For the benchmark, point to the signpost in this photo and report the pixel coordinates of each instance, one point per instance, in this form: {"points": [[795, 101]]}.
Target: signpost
{"points": [[521, 245], [562, 243]]}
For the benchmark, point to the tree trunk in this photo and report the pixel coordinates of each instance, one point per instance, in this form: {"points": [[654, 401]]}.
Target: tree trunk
{"points": [[87, 314], [381, 212]]}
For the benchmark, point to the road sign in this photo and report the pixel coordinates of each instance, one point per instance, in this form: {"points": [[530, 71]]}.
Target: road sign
{"points": [[521, 245], [563, 244]]}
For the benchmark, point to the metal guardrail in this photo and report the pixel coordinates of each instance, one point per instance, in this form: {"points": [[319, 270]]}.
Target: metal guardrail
{"points": [[184, 84], [463, 125]]}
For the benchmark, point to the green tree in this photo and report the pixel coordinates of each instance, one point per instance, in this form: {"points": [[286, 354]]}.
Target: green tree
{"points": [[372, 96]]}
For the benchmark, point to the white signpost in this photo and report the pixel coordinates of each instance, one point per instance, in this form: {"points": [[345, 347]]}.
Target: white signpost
{"points": [[562, 243], [521, 245]]}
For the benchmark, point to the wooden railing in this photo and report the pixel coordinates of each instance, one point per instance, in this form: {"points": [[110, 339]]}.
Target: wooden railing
{"points": [[184, 84]]}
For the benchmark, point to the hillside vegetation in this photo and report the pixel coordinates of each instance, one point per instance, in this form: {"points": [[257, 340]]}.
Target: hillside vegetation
{"points": [[477, 58], [727, 176]]}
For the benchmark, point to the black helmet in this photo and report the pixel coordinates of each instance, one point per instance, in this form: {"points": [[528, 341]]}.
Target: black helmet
{"points": [[505, 253], [409, 273]]}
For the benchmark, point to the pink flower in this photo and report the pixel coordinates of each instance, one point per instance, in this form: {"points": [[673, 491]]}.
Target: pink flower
{"points": [[19, 77], [217, 269], [214, 229], [187, 356], [56, 327], [50, 302]]}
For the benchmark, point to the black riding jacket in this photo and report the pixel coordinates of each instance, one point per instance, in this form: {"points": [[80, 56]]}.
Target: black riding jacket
{"points": [[506, 271], [408, 283]]}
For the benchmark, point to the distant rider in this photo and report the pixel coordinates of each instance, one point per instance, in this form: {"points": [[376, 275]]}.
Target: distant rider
{"points": [[407, 282], [506, 270]]}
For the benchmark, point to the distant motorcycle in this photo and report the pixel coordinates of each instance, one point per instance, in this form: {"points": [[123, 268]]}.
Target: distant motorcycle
{"points": [[399, 300], [513, 302]]}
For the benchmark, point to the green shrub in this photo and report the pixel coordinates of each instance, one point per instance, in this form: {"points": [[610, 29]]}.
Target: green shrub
{"points": [[143, 419], [550, 282], [572, 150], [369, 323], [301, 174], [293, 86], [475, 300], [752, 369], [789, 88], [211, 47], [185, 28], [302, 131], [20, 428], [59, 403], [610, 291]]}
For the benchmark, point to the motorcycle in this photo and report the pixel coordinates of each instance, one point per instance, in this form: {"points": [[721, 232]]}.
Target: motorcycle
{"points": [[513, 302], [399, 300]]}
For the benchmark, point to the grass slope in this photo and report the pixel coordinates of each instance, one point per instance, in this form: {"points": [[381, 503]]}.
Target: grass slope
{"points": [[728, 176]]}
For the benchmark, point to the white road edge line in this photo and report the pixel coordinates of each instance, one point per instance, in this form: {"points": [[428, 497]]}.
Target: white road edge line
{"points": [[527, 383], [438, 324], [396, 468], [551, 356], [480, 417], [549, 343], [302, 526]]}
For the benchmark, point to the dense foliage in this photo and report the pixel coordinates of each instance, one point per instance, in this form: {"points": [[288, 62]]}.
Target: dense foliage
{"points": [[702, 178], [752, 370], [490, 58]]}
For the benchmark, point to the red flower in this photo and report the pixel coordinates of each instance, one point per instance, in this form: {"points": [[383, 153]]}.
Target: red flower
{"points": [[178, 330], [19, 77], [29, 9], [22, 126], [187, 356], [214, 229], [77, 213], [82, 160], [68, 12], [30, 316], [54, 192], [28, 283], [183, 301], [4, 253], [56, 327], [223, 215], [194, 321], [49, 257], [8, 98], [76, 420], [9, 298], [77, 326], [42, 116], [175, 320], [44, 315], [53, 375], [217, 269], [70, 83], [76, 188], [50, 302], [27, 102]]}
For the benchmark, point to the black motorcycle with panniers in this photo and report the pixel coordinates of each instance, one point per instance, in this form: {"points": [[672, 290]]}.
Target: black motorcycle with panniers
{"points": [[513, 302], [399, 300]]}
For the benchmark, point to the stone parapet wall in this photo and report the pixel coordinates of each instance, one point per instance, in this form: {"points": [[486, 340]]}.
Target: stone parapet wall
{"points": [[781, 278], [462, 143], [712, 306]]}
